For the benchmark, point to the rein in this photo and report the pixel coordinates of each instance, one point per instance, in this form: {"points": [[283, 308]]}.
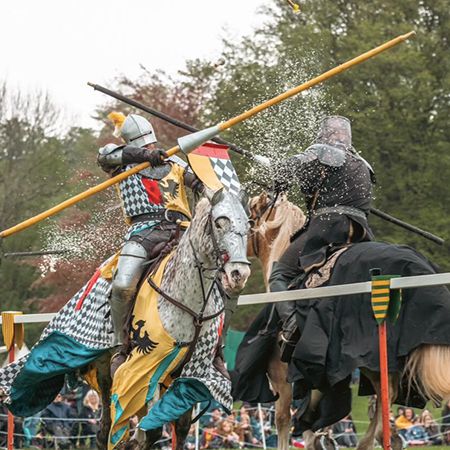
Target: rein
{"points": [[198, 317]]}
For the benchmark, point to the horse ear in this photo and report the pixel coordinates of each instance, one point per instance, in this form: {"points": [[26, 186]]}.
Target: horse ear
{"points": [[215, 197], [245, 201]]}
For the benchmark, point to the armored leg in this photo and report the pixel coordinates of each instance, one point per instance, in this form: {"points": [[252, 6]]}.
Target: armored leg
{"points": [[129, 270]]}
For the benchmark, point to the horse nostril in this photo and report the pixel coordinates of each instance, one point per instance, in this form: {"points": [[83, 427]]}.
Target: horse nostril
{"points": [[236, 275]]}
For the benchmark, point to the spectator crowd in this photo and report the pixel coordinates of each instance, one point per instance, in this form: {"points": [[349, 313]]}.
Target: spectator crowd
{"points": [[72, 421]]}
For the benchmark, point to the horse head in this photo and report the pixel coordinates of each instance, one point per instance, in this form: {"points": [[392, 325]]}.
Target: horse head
{"points": [[229, 226], [274, 220]]}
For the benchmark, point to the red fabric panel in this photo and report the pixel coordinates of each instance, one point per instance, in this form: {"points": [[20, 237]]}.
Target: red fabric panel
{"points": [[88, 289], [153, 192], [213, 150]]}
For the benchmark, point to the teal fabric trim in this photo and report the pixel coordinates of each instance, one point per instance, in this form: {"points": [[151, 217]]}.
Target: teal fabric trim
{"points": [[117, 436], [42, 376], [155, 379], [117, 406], [138, 229], [179, 398]]}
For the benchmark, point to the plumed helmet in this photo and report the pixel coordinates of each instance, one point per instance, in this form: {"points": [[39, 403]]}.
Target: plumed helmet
{"points": [[138, 131], [133, 129], [335, 131]]}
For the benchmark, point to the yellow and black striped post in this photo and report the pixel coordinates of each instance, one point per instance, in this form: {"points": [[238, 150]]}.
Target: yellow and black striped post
{"points": [[385, 304]]}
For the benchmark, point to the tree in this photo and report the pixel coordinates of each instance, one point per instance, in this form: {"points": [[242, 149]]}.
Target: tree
{"points": [[398, 102]]}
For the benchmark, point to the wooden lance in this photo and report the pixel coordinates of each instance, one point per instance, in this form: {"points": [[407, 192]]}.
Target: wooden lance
{"points": [[190, 142], [254, 157]]}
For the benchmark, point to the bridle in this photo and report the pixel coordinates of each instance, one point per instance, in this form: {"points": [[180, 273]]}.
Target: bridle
{"points": [[269, 207], [199, 318]]}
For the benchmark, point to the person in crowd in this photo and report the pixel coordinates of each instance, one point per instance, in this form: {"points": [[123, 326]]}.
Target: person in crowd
{"points": [[260, 425], [91, 411], [405, 421], [189, 443], [245, 430], [224, 436], [445, 427], [416, 434], [345, 432], [431, 428], [212, 418], [55, 422]]}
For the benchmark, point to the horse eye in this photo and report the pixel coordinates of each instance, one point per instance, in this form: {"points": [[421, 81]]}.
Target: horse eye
{"points": [[222, 223]]}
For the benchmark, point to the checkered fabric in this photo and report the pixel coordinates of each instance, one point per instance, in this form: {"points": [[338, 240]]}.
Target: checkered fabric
{"points": [[200, 365], [91, 326], [227, 175], [9, 373], [134, 196]]}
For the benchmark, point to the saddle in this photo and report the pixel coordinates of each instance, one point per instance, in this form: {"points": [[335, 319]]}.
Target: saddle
{"points": [[291, 333]]}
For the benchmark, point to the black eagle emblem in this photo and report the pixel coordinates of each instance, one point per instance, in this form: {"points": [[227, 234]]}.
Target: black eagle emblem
{"points": [[143, 343]]}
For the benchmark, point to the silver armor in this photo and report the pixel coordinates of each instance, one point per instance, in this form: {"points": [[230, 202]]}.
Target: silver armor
{"points": [[235, 239], [126, 278], [138, 131], [335, 131], [110, 155]]}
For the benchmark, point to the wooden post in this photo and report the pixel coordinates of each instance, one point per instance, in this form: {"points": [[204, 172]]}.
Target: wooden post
{"points": [[12, 334], [10, 442]]}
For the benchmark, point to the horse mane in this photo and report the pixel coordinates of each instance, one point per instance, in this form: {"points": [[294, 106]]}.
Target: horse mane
{"points": [[287, 219]]}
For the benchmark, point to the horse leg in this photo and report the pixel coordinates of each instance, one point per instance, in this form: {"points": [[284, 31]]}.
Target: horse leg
{"points": [[375, 429], [396, 440], [277, 372], [182, 426], [310, 438], [105, 383]]}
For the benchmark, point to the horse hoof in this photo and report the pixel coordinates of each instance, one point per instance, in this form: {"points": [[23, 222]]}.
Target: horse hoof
{"points": [[132, 444], [397, 443], [325, 442]]}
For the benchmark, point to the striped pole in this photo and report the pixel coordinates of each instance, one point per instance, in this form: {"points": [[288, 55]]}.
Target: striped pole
{"points": [[385, 304], [380, 305]]}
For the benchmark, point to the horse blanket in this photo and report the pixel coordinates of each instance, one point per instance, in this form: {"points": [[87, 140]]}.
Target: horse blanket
{"points": [[81, 332], [340, 334]]}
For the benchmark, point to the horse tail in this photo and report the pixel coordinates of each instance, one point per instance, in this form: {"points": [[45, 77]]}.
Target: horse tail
{"points": [[428, 369]]}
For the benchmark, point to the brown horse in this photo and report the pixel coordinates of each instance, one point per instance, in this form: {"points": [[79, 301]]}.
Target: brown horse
{"points": [[275, 221], [427, 367]]}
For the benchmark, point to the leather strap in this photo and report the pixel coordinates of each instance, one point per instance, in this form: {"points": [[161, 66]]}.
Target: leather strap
{"points": [[167, 215]]}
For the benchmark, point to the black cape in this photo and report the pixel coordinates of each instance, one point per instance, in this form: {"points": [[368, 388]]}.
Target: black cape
{"points": [[340, 334]]}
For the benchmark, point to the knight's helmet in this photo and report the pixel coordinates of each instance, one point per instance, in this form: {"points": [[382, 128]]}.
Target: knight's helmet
{"points": [[133, 129], [335, 131]]}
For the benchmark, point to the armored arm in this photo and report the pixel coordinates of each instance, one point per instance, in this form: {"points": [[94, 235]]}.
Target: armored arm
{"points": [[112, 156], [308, 168], [299, 169]]}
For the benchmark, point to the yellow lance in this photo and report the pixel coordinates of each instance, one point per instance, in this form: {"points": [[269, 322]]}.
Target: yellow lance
{"points": [[190, 142]]}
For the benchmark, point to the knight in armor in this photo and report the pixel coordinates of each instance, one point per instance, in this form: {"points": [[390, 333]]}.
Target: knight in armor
{"points": [[337, 185], [155, 207]]}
